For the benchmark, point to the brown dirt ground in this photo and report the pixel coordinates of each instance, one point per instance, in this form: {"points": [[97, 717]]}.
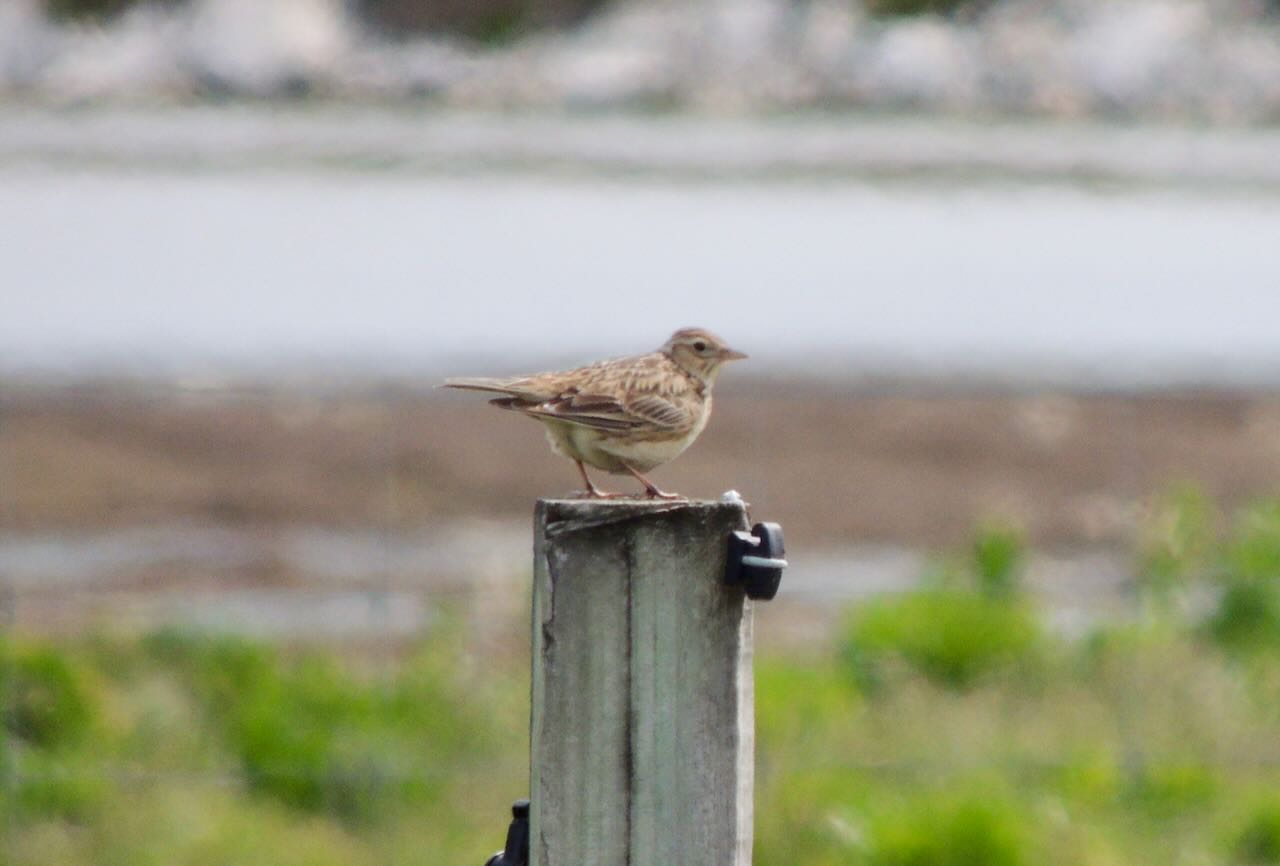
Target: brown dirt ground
{"points": [[908, 464]]}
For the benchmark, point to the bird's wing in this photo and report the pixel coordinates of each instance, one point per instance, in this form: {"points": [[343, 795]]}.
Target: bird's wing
{"points": [[624, 394], [603, 412], [666, 412]]}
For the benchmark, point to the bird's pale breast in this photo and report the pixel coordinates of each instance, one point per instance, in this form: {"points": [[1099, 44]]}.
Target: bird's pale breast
{"points": [[643, 454], [613, 451]]}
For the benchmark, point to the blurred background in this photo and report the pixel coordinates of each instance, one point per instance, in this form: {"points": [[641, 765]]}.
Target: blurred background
{"points": [[1009, 275]]}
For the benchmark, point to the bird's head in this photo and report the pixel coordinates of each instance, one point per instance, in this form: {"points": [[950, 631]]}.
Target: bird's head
{"points": [[699, 352]]}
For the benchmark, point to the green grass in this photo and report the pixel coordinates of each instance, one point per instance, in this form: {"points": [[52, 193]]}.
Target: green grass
{"points": [[969, 623], [954, 639], [185, 749], [943, 727], [1257, 839]]}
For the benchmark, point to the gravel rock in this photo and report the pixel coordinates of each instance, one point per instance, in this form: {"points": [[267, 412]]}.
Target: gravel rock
{"points": [[1188, 60]]}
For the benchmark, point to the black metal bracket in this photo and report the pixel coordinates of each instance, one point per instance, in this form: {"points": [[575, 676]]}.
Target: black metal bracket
{"points": [[755, 561], [516, 853]]}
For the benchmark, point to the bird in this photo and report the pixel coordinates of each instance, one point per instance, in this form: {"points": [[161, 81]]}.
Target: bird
{"points": [[624, 415]]}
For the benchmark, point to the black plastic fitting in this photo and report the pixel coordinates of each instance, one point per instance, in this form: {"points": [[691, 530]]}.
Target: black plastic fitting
{"points": [[516, 853], [755, 561]]}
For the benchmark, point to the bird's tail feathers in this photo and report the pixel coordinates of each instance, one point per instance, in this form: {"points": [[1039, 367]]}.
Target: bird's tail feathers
{"points": [[479, 383]]}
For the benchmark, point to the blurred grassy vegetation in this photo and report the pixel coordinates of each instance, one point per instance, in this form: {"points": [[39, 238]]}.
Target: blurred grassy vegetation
{"points": [[485, 21], [945, 727], [906, 8], [185, 749], [495, 21]]}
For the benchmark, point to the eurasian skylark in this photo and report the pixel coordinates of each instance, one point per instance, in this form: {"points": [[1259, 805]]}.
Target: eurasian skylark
{"points": [[625, 415]]}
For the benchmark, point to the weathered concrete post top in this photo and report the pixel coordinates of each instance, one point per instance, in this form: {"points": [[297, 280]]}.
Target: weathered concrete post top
{"points": [[642, 719]]}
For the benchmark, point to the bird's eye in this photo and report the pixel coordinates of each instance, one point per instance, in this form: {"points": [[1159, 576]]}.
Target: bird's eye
{"points": [[699, 346]]}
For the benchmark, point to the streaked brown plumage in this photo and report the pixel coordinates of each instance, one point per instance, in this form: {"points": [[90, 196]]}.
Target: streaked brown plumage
{"points": [[625, 415]]}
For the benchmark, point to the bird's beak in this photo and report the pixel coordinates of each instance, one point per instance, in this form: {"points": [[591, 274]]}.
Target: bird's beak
{"points": [[733, 355]]}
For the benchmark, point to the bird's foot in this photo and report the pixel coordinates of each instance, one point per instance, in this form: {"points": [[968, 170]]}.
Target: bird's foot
{"points": [[651, 490]]}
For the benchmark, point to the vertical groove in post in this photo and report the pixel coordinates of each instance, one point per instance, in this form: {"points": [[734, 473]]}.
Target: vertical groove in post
{"points": [[641, 718], [629, 795], [746, 689]]}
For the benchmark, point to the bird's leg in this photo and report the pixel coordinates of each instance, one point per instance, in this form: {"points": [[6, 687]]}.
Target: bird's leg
{"points": [[592, 491], [651, 490]]}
